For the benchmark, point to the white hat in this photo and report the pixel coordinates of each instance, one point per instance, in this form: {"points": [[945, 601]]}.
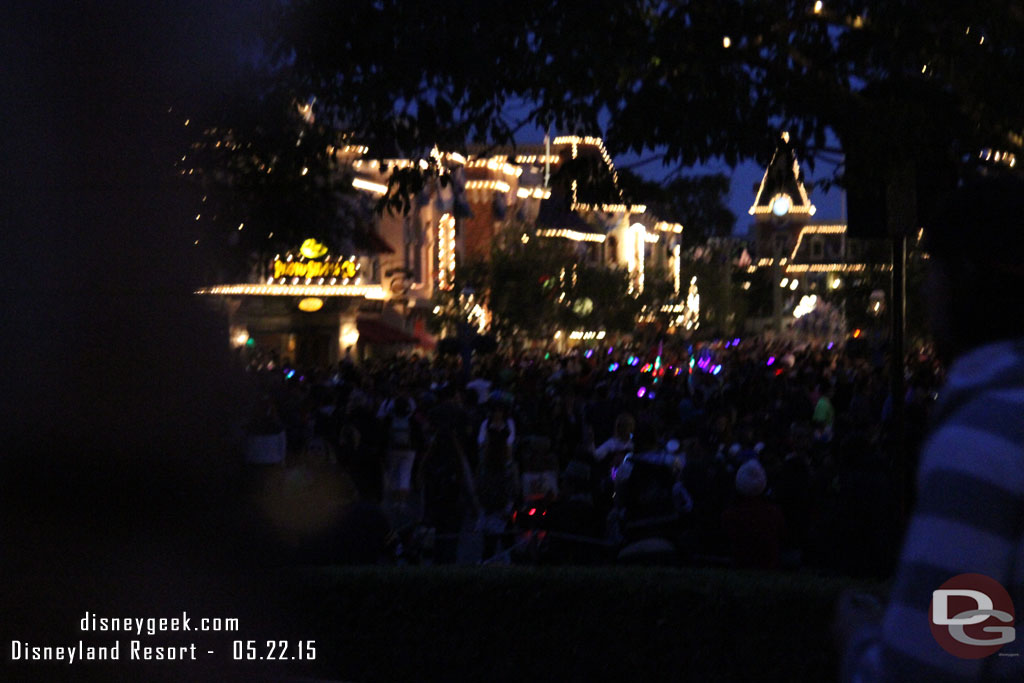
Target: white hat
{"points": [[751, 479]]}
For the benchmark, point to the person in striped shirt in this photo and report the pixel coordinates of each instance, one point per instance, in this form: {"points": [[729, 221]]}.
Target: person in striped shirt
{"points": [[969, 514]]}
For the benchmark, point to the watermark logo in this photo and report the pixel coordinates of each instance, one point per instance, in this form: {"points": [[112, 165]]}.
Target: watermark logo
{"points": [[972, 616]]}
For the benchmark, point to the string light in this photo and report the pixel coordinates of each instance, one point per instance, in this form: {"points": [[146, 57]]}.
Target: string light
{"points": [[834, 267], [376, 188], [496, 164], [386, 163], [1008, 158], [818, 6], [573, 235], [677, 268], [726, 42], [499, 185], [534, 192], [640, 231], [610, 208], [446, 252], [668, 227], [538, 159]]}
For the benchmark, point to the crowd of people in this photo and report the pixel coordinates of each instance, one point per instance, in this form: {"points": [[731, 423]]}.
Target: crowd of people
{"points": [[735, 452]]}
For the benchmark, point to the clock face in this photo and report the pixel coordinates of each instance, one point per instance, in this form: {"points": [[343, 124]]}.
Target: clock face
{"points": [[781, 204]]}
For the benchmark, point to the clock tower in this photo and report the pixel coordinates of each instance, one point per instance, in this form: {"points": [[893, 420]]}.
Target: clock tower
{"points": [[781, 206]]}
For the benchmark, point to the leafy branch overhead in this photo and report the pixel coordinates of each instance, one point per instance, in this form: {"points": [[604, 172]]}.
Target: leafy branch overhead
{"points": [[691, 80], [267, 177]]}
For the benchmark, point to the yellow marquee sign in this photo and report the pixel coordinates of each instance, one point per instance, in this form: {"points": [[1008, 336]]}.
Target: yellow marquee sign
{"points": [[310, 269]]}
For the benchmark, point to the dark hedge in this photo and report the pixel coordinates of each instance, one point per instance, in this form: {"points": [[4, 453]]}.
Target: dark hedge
{"points": [[587, 624]]}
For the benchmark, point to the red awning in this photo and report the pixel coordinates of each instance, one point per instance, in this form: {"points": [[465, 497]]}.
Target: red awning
{"points": [[377, 332]]}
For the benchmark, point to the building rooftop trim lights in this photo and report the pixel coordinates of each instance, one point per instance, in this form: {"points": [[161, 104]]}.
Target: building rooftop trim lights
{"points": [[498, 185], [665, 226], [833, 229], [573, 235], [369, 186], [367, 291], [611, 208], [535, 192]]}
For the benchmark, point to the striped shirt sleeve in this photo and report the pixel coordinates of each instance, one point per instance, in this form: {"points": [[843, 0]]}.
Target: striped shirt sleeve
{"points": [[968, 519]]}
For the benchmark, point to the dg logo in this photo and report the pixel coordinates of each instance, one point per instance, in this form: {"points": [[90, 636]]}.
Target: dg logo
{"points": [[972, 616]]}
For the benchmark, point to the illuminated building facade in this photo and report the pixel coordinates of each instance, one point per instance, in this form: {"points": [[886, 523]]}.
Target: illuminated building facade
{"points": [[317, 307]]}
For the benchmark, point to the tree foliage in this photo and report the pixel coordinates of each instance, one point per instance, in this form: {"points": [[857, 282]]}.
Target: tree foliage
{"points": [[698, 202], [537, 287], [920, 83], [266, 178]]}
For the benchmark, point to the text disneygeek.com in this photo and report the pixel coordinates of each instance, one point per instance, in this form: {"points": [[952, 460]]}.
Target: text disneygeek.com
{"points": [[136, 649]]}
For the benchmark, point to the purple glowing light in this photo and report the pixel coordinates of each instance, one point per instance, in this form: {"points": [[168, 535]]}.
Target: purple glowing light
{"points": [[771, 361], [640, 392]]}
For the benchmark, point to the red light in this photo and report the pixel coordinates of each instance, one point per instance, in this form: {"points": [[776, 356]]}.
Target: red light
{"points": [[543, 513], [778, 372], [532, 512]]}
